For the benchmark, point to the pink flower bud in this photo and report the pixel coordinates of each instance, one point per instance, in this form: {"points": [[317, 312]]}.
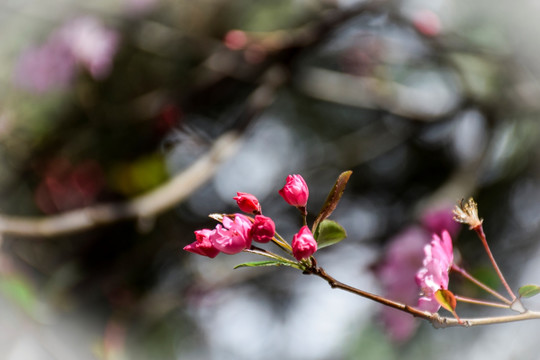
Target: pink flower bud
{"points": [[235, 39], [263, 229], [247, 203], [233, 236], [202, 244], [427, 23], [303, 244], [295, 192]]}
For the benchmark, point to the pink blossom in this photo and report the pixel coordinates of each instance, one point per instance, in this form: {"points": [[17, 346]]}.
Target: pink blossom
{"points": [[46, 67], [398, 268], [427, 23], [247, 203], [303, 244], [233, 236], [53, 65], [439, 219], [396, 273], [433, 275], [92, 44], [203, 245], [235, 39], [295, 192], [263, 229]]}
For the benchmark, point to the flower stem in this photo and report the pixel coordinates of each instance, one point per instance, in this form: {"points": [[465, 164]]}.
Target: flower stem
{"points": [[303, 211], [480, 232], [477, 282], [282, 243], [271, 255], [480, 302]]}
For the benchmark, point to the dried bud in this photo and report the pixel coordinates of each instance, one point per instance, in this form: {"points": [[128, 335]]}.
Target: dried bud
{"points": [[467, 213]]}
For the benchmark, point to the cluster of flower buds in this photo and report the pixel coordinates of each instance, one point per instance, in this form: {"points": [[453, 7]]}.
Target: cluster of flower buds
{"points": [[236, 232]]}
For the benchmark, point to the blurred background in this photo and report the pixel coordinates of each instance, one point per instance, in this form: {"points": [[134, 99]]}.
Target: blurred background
{"points": [[124, 123]]}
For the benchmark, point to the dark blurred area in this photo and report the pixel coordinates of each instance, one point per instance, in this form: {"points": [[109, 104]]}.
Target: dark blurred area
{"points": [[105, 103]]}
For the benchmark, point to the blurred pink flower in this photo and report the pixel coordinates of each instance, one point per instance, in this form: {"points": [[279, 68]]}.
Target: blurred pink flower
{"points": [[235, 39], [433, 275], [303, 244], [396, 273], [202, 245], [91, 44], [398, 268], [295, 192], [427, 23], [263, 229], [233, 236], [52, 65], [437, 220], [66, 186], [247, 203]]}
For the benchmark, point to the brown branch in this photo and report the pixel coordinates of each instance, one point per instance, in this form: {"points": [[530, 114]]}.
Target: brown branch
{"points": [[436, 320]]}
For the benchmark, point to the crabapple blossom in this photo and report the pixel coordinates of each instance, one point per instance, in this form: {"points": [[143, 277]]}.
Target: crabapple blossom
{"points": [[295, 192], [396, 274], [248, 203], [303, 244], [203, 245], [397, 269], [263, 229], [433, 276], [233, 236], [83, 41]]}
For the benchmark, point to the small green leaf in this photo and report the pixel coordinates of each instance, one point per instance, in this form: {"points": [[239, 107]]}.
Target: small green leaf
{"points": [[446, 299], [529, 290], [265, 263], [332, 199], [329, 233]]}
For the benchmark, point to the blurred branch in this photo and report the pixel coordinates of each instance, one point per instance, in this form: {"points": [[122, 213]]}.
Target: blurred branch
{"points": [[373, 93], [271, 74], [143, 207]]}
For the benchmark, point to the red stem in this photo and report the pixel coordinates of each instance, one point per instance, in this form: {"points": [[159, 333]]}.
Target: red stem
{"points": [[480, 302], [480, 232], [477, 282]]}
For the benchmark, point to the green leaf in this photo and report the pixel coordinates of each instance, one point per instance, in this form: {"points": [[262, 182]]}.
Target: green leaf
{"points": [[529, 290], [332, 199], [265, 263], [447, 299], [329, 233]]}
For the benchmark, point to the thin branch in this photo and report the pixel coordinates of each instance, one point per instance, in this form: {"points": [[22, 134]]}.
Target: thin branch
{"points": [[480, 232], [335, 284], [436, 320]]}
